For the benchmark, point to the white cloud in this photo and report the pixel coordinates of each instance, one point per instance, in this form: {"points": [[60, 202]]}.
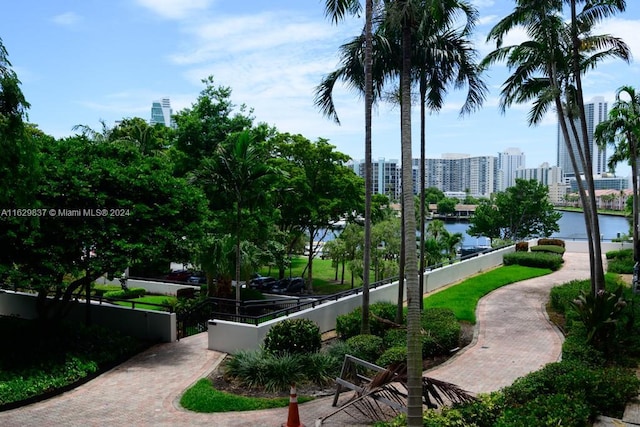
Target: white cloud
{"points": [[67, 19], [175, 9]]}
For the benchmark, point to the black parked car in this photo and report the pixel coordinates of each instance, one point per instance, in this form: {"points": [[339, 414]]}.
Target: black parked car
{"points": [[292, 285], [262, 283]]}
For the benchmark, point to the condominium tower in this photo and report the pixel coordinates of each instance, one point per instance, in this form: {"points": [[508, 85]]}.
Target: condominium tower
{"points": [[595, 112], [162, 113]]}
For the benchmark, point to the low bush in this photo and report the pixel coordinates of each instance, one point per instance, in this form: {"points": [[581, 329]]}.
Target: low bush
{"points": [[552, 242], [126, 294], [547, 411], [262, 370], [548, 260], [620, 265], [366, 347], [620, 254], [395, 337], [393, 356], [350, 324], [548, 248], [603, 390], [295, 336], [441, 331]]}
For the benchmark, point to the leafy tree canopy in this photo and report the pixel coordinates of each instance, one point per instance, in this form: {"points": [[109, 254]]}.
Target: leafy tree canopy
{"points": [[520, 212], [105, 206]]}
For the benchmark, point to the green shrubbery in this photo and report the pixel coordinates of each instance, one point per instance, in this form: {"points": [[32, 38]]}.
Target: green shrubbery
{"points": [[620, 261], [294, 336], [554, 249], [548, 260], [350, 324], [126, 293], [551, 242], [46, 357]]}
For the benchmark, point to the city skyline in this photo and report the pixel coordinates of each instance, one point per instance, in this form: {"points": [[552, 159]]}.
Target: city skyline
{"points": [[82, 62]]}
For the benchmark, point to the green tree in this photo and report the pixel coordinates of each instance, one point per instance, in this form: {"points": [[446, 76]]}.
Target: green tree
{"points": [[240, 174], [520, 212], [19, 171], [206, 125], [447, 206], [622, 129], [433, 195], [548, 70], [321, 189], [107, 207]]}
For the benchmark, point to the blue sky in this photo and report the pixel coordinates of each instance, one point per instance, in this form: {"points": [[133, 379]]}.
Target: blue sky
{"points": [[82, 61]]}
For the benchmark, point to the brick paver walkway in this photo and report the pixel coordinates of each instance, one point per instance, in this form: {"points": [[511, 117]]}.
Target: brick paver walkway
{"points": [[514, 337]]}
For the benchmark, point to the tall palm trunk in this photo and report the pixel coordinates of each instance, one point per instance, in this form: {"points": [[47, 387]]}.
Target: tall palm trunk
{"points": [[597, 278], [423, 148], [414, 351], [368, 101], [237, 272]]}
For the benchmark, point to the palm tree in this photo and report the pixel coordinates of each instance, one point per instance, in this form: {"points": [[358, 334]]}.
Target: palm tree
{"points": [[548, 71], [239, 170], [622, 129], [337, 9]]}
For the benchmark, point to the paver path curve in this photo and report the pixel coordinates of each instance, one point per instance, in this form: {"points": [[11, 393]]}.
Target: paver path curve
{"points": [[514, 337], [513, 334]]}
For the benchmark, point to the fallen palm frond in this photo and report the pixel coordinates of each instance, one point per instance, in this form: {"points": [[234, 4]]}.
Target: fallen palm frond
{"points": [[385, 396]]}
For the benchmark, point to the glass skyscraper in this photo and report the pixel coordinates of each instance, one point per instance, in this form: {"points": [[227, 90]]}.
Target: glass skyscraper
{"points": [[162, 113], [595, 112]]}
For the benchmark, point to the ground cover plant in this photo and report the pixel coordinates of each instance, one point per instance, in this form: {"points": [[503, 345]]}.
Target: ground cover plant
{"points": [[47, 357], [620, 261]]}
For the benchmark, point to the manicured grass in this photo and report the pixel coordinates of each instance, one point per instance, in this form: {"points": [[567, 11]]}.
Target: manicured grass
{"points": [[463, 297], [323, 275], [202, 397], [150, 299]]}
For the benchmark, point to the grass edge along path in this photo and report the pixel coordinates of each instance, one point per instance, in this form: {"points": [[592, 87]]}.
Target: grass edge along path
{"points": [[463, 297], [202, 397]]}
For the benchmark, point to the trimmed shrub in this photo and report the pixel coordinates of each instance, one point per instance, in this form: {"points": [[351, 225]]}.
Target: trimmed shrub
{"points": [[621, 253], [350, 324], [552, 242], [548, 248], [393, 356], [522, 247], [620, 265], [126, 294], [441, 331], [395, 337], [366, 347], [547, 410], [534, 259], [294, 336]]}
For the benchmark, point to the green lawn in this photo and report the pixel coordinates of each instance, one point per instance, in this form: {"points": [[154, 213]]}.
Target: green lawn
{"points": [[463, 297], [202, 397], [149, 299]]}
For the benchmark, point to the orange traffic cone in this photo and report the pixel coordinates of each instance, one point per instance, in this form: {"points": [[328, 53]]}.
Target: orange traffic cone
{"points": [[293, 420]]}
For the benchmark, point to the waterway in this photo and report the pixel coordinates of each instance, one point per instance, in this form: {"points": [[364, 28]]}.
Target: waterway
{"points": [[571, 224]]}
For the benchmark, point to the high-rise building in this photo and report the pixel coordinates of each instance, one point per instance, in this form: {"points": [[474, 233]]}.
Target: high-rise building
{"points": [[162, 113], [462, 173], [386, 176], [509, 161], [595, 112]]}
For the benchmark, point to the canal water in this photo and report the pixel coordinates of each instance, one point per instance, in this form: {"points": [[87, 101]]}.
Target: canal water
{"points": [[571, 224]]}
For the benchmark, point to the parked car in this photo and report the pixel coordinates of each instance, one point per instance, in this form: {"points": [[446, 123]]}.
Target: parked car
{"points": [[292, 285], [197, 278], [179, 275], [262, 283]]}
